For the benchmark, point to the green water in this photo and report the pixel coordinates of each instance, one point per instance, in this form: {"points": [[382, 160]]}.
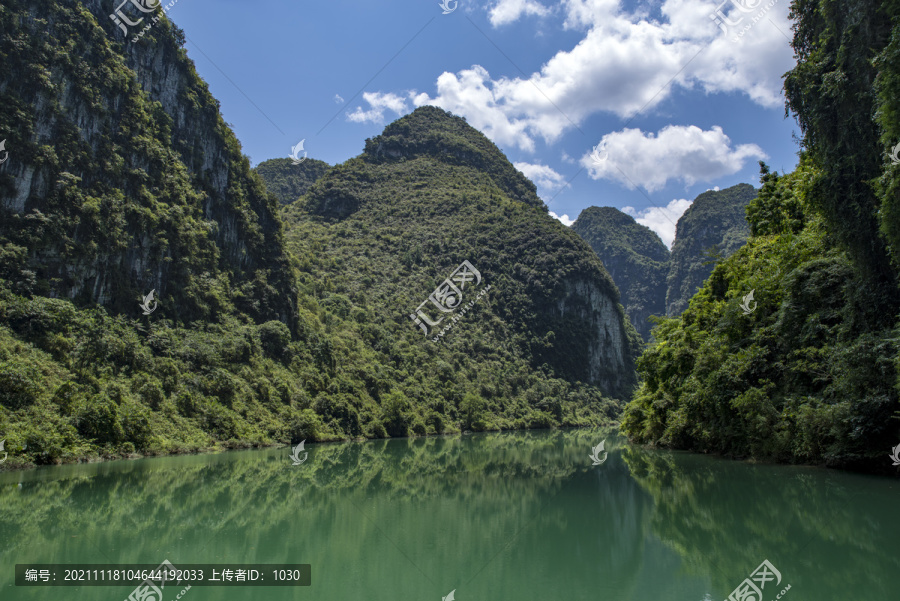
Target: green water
{"points": [[511, 516]]}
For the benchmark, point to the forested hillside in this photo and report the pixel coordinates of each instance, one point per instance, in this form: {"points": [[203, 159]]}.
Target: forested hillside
{"points": [[123, 178], [809, 372], [712, 228], [376, 234], [288, 181], [634, 256]]}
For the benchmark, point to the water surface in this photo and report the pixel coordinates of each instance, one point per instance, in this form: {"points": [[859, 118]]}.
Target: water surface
{"points": [[511, 516]]}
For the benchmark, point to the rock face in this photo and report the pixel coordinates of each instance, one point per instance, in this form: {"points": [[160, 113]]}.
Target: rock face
{"points": [[713, 227], [596, 333], [634, 256], [122, 175], [432, 192]]}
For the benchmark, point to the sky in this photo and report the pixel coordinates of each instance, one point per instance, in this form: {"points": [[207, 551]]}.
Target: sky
{"points": [[635, 105]]}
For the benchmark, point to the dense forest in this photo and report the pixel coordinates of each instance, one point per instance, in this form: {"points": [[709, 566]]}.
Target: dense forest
{"points": [[289, 181], [421, 287], [809, 374], [266, 328]]}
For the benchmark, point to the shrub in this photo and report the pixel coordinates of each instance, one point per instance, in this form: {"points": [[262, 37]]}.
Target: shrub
{"points": [[19, 384], [397, 416], [305, 425], [135, 421], [98, 419], [274, 337]]}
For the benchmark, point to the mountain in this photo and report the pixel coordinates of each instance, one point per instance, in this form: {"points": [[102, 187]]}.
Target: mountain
{"points": [[288, 181], [385, 228], [123, 178], [635, 257], [712, 228], [268, 325]]}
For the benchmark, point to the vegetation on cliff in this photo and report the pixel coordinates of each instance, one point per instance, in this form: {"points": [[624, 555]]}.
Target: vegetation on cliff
{"points": [[712, 228]]}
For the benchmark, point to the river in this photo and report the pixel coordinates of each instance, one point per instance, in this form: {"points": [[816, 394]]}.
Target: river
{"points": [[492, 517]]}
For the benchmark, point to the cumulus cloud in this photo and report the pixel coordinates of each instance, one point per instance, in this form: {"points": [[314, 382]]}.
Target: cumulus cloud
{"points": [[623, 64], [542, 175], [509, 11], [661, 220], [564, 219], [378, 103], [676, 152], [338, 99]]}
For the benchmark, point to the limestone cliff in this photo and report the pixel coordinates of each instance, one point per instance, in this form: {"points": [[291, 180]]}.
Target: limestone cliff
{"points": [[122, 175]]}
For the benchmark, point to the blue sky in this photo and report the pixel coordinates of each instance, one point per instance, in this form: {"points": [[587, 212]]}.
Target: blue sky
{"points": [[675, 103]]}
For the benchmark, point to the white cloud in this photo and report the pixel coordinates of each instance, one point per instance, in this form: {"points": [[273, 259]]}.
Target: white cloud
{"points": [[564, 219], [661, 220], [338, 99], [509, 11], [379, 102], [542, 175], [676, 152], [471, 93], [623, 64]]}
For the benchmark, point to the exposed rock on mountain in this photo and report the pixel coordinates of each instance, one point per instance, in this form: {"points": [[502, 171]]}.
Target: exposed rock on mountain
{"points": [[123, 177], [634, 256]]}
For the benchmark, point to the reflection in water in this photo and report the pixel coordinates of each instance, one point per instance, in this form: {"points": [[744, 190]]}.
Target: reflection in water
{"points": [[513, 516], [832, 535]]}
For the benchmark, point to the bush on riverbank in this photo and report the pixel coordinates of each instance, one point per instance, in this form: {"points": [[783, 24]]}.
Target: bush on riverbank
{"points": [[79, 384], [809, 375]]}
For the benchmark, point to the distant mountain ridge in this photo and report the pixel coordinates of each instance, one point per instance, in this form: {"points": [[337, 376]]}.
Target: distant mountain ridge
{"points": [[635, 257], [289, 181], [652, 280], [714, 227]]}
